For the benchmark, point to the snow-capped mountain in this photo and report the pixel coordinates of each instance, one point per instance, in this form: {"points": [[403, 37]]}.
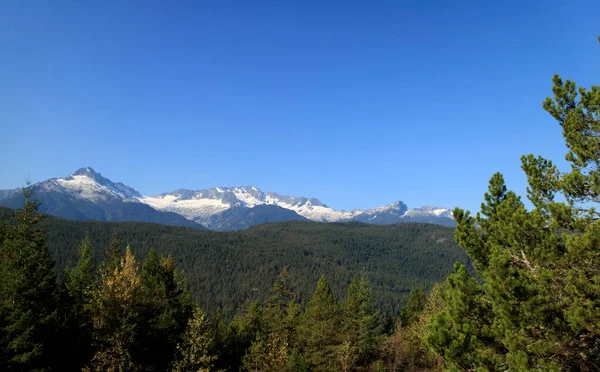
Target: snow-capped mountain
{"points": [[202, 204], [87, 184], [383, 215], [86, 194]]}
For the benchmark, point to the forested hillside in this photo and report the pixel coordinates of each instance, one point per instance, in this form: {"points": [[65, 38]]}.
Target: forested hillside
{"points": [[225, 269]]}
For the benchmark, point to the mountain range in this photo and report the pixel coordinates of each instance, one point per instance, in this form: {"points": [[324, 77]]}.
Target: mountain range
{"points": [[87, 195]]}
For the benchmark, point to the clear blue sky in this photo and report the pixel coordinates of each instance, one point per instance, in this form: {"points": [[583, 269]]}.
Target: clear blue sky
{"points": [[357, 103]]}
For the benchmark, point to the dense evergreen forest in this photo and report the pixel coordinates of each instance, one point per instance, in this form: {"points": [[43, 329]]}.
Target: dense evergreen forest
{"points": [[533, 306], [226, 269]]}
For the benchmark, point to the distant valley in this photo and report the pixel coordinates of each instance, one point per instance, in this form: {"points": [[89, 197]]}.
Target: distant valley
{"points": [[87, 195]]}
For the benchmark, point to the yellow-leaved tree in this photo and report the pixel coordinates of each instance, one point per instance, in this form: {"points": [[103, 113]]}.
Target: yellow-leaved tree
{"points": [[114, 311]]}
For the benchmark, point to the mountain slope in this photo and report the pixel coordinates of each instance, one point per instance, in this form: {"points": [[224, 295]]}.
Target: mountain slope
{"points": [[399, 213], [86, 195], [239, 218]]}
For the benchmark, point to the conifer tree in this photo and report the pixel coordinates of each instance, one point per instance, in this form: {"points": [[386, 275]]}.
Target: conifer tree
{"points": [[541, 291], [405, 349], [222, 347], [80, 283], [277, 303], [361, 325], [270, 349], [113, 253], [320, 329], [165, 307], [414, 306], [242, 332], [193, 352], [28, 293], [462, 332]]}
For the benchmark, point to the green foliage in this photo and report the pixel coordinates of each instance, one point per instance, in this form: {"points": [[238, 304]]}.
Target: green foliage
{"points": [[462, 332], [538, 306], [268, 353], [414, 306], [361, 325], [28, 293], [164, 308], [80, 284], [320, 328], [113, 253], [406, 348], [274, 345], [224, 270], [193, 352]]}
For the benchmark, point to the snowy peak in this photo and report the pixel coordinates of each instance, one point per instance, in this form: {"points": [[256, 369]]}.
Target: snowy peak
{"points": [[90, 173], [86, 183], [199, 205], [399, 212], [390, 213], [431, 210], [398, 208]]}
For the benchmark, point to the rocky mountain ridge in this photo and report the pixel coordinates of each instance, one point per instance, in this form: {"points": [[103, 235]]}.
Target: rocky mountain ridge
{"points": [[86, 194]]}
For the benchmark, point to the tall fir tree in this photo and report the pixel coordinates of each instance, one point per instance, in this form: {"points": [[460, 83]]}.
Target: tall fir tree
{"points": [[320, 329], [113, 254], [80, 284], [361, 325], [241, 333], [406, 348], [194, 349], [271, 348], [28, 293], [414, 306], [164, 309], [277, 303]]}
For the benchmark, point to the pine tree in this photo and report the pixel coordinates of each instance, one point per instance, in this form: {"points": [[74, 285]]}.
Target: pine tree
{"points": [[80, 284], [277, 303], [406, 348], [164, 310], [193, 352], [28, 293], [242, 332], [361, 325], [320, 329], [415, 304], [538, 306], [270, 350], [462, 332], [267, 353], [113, 253]]}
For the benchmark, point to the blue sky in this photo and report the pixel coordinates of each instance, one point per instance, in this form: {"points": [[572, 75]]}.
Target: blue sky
{"points": [[357, 103]]}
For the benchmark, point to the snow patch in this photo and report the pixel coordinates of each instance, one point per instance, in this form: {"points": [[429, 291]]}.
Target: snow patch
{"points": [[188, 208]]}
